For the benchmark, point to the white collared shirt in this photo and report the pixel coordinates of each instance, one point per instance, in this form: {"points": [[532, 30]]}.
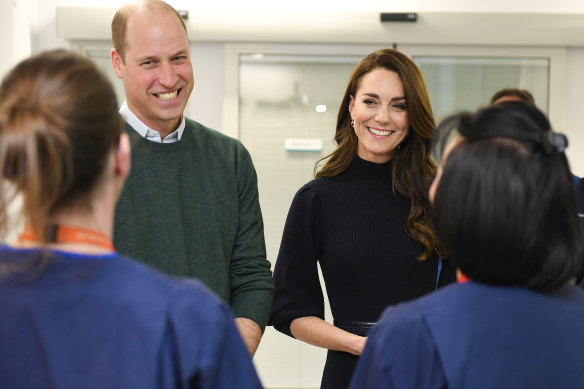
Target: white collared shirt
{"points": [[147, 132]]}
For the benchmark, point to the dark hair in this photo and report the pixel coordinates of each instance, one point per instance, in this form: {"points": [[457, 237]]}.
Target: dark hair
{"points": [[58, 122], [120, 21], [521, 94], [413, 168], [505, 206]]}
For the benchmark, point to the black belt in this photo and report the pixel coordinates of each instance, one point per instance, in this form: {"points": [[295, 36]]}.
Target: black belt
{"points": [[356, 327]]}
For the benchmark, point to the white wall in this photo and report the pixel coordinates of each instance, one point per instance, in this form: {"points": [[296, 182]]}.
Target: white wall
{"points": [[574, 104], [15, 32], [6, 36], [42, 12]]}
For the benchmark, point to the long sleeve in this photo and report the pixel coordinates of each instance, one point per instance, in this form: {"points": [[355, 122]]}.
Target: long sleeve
{"points": [[251, 283], [298, 292]]}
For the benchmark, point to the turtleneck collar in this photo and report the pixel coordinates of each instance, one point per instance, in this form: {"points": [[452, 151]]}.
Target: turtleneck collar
{"points": [[369, 171]]}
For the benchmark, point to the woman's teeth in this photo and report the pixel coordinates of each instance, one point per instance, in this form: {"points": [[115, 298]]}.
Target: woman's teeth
{"points": [[379, 132]]}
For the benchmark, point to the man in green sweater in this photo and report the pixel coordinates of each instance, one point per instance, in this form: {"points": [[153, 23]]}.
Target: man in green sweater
{"points": [[190, 206]]}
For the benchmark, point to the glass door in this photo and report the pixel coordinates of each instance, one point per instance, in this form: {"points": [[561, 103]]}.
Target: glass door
{"points": [[465, 77]]}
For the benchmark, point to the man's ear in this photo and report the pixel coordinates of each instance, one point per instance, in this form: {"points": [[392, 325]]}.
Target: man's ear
{"points": [[117, 63]]}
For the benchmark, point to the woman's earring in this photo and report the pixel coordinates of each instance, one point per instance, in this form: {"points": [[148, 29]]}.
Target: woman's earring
{"points": [[352, 123]]}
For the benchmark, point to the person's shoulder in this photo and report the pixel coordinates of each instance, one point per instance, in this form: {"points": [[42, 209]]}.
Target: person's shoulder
{"points": [[192, 302], [400, 316], [223, 148], [406, 314], [195, 289], [181, 293], [311, 190], [317, 188], [140, 275], [401, 327], [322, 186], [322, 183], [200, 130]]}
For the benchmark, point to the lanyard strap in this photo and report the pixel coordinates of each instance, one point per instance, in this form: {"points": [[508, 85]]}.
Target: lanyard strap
{"points": [[65, 234], [438, 272]]}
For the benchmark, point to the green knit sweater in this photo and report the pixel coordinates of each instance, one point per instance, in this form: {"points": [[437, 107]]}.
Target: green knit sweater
{"points": [[191, 209]]}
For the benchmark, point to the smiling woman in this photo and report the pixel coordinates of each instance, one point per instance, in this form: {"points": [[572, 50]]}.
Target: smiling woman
{"points": [[379, 115], [364, 219]]}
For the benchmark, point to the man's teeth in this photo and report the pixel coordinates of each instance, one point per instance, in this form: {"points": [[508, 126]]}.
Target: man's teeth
{"points": [[167, 96], [379, 132]]}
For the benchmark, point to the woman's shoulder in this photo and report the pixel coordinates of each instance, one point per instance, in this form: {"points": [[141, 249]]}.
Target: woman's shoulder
{"points": [[315, 189], [323, 184]]}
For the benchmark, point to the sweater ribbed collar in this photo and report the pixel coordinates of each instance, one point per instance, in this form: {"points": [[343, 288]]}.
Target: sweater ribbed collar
{"points": [[369, 171]]}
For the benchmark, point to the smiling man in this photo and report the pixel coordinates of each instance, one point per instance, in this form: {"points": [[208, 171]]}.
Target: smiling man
{"points": [[190, 206]]}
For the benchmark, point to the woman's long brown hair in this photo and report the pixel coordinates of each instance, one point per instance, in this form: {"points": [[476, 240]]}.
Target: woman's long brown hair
{"points": [[413, 167]]}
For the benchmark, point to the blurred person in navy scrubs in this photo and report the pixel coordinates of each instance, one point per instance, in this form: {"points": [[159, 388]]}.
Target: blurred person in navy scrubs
{"points": [[75, 314]]}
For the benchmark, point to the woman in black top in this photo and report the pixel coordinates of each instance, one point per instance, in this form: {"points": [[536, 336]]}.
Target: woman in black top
{"points": [[365, 218]]}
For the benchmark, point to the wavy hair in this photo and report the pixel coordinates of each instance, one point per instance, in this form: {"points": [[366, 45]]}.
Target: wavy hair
{"points": [[413, 167]]}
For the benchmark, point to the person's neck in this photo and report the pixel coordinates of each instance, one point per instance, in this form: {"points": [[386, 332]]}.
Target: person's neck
{"points": [[164, 128], [95, 219]]}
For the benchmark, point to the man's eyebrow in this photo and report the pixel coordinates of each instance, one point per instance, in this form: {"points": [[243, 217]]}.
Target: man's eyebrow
{"points": [[146, 58], [180, 52]]}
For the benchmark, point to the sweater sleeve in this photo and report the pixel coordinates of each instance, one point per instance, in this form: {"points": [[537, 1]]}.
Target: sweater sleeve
{"points": [[297, 286], [250, 277]]}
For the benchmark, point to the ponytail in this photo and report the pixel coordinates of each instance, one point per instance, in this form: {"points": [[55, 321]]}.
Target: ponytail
{"points": [[58, 122]]}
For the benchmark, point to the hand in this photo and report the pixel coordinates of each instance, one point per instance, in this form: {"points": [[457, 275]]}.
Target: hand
{"points": [[313, 330]]}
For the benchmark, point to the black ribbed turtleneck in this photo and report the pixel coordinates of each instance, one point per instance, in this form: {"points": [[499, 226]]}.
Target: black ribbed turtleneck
{"points": [[363, 170], [355, 226]]}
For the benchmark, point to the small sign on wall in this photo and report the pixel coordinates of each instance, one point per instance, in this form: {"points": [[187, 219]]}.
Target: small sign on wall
{"points": [[302, 144]]}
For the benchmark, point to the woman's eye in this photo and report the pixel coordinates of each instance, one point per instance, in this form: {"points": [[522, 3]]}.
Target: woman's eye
{"points": [[368, 101], [400, 107]]}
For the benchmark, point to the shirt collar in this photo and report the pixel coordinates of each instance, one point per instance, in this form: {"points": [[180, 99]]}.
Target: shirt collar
{"points": [[147, 132]]}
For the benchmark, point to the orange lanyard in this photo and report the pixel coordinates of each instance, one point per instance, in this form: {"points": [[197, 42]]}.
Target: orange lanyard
{"points": [[64, 234], [462, 278]]}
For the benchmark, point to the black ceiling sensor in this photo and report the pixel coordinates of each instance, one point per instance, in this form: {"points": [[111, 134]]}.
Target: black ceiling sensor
{"points": [[399, 17]]}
